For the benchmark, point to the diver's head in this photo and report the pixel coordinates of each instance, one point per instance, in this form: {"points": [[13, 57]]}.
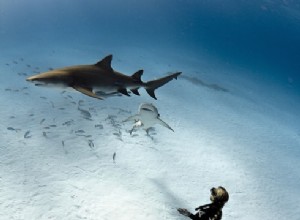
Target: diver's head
{"points": [[219, 195]]}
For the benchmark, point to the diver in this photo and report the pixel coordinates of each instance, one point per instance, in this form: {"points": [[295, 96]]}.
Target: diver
{"points": [[213, 211]]}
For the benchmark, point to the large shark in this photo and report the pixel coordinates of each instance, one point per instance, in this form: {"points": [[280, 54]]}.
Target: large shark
{"points": [[146, 118], [99, 80]]}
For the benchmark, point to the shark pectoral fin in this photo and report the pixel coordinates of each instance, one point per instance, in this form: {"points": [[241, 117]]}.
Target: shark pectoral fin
{"points": [[123, 91], [161, 122], [87, 91], [132, 118]]}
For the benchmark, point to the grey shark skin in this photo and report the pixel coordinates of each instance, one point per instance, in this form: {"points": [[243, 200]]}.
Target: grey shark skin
{"points": [[147, 117], [100, 78]]}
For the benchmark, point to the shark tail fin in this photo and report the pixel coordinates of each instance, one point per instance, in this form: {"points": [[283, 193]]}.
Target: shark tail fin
{"points": [[152, 85]]}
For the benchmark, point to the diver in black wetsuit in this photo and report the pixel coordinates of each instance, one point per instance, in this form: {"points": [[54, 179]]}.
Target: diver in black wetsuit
{"points": [[213, 211]]}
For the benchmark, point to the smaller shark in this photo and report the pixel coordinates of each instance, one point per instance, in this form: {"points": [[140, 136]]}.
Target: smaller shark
{"points": [[99, 80], [146, 117]]}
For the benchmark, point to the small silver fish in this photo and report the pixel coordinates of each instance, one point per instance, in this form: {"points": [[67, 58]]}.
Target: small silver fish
{"points": [[11, 129], [68, 123], [99, 126], [91, 144], [79, 132], [114, 157], [26, 135], [41, 122], [86, 114]]}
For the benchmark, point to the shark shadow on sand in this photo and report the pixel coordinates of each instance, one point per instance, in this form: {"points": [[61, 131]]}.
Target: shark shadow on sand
{"points": [[198, 82]]}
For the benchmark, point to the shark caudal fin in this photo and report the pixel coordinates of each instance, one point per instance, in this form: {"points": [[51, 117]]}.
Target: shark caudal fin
{"points": [[150, 86]]}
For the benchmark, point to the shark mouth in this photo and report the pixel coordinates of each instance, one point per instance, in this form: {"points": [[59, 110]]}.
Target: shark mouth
{"points": [[147, 109]]}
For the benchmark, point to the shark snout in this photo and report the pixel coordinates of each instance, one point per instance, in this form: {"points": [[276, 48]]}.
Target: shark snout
{"points": [[31, 78], [37, 78]]}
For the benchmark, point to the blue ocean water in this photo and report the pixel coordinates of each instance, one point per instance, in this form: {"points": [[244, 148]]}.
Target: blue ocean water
{"points": [[259, 35], [258, 38]]}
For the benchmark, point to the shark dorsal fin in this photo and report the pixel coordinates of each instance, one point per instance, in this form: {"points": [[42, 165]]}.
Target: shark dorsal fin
{"points": [[105, 63], [137, 76]]}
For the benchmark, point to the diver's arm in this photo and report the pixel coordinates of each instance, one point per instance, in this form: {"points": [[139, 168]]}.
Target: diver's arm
{"points": [[186, 213]]}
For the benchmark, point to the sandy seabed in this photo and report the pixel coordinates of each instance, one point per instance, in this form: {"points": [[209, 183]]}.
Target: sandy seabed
{"points": [[57, 147]]}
